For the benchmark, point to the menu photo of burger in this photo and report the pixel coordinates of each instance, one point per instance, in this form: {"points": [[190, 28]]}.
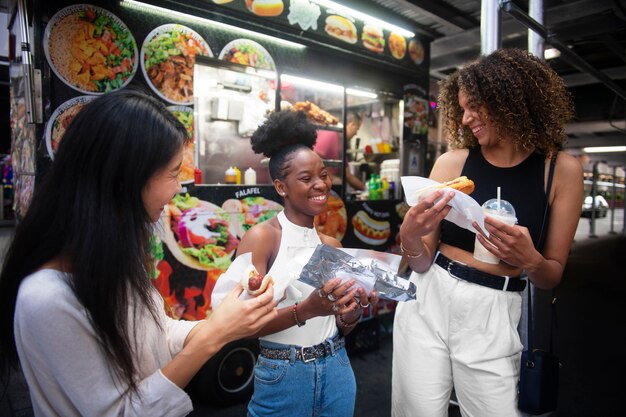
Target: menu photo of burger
{"points": [[373, 38], [397, 45], [341, 28]]}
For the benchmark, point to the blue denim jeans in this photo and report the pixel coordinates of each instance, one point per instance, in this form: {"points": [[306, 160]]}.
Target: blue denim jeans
{"points": [[324, 387]]}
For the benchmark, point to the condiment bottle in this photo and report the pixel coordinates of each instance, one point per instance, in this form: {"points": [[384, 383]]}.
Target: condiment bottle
{"points": [[197, 176], [237, 175], [385, 188], [250, 176], [230, 176]]}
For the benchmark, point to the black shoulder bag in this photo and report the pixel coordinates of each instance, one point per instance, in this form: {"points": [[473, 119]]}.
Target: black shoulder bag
{"points": [[539, 371]]}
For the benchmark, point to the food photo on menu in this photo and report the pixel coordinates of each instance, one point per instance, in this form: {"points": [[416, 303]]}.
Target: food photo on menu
{"points": [[265, 7], [334, 221], [303, 13], [397, 45], [341, 28], [90, 49], [247, 52], [373, 38], [168, 56], [184, 115], [416, 51], [61, 119], [199, 234], [248, 211]]}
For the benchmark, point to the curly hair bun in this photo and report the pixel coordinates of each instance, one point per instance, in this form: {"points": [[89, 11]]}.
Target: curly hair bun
{"points": [[281, 129]]}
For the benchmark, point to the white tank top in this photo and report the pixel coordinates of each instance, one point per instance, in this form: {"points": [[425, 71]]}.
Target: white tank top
{"points": [[317, 329]]}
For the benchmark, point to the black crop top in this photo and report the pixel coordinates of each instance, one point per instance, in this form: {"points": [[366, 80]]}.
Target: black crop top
{"points": [[521, 185]]}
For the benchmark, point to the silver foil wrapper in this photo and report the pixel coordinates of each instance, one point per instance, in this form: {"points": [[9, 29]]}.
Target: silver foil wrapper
{"points": [[369, 268]]}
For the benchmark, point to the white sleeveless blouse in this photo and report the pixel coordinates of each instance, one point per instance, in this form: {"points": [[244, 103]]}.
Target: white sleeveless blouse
{"points": [[316, 329]]}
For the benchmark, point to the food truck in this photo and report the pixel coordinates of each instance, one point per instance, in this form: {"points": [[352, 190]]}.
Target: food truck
{"points": [[221, 67]]}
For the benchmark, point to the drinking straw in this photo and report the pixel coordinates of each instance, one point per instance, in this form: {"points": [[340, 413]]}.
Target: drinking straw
{"points": [[498, 193]]}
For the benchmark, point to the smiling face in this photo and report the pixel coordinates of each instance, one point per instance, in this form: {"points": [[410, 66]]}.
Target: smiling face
{"points": [[476, 119], [162, 187], [306, 186]]}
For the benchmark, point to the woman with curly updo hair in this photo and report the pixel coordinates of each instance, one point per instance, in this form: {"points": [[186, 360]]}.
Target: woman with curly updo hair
{"points": [[303, 368], [505, 116]]}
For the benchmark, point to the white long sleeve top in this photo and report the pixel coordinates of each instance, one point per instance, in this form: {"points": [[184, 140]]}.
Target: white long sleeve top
{"points": [[66, 369]]}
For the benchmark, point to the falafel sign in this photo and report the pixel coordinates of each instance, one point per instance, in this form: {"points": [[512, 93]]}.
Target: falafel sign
{"points": [[334, 28]]}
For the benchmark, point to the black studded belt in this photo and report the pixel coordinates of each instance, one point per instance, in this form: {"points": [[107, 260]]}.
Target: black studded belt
{"points": [[305, 353], [473, 275]]}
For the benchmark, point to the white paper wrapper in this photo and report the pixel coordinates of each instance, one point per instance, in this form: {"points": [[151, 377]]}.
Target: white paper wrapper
{"points": [[229, 280], [464, 211]]}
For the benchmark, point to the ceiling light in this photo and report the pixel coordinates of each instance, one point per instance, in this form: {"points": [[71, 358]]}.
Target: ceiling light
{"points": [[364, 17], [169, 13], [551, 53], [361, 93], [305, 82], [603, 149]]}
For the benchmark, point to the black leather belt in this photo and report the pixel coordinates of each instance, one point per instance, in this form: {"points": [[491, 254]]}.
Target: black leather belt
{"points": [[473, 275], [305, 353]]}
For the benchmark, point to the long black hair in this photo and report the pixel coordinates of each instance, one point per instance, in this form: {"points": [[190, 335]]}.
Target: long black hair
{"points": [[89, 213], [280, 136]]}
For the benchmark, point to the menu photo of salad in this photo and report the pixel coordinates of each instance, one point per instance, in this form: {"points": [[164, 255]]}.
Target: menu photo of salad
{"points": [[184, 115], [168, 56], [90, 49]]}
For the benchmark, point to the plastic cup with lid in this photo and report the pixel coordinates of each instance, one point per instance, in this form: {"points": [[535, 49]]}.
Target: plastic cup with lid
{"points": [[500, 210]]}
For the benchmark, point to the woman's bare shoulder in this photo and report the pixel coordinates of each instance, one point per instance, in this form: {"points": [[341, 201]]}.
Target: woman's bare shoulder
{"points": [[449, 165], [265, 233]]}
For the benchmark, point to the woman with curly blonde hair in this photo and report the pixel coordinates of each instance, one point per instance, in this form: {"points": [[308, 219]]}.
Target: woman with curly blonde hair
{"points": [[505, 116]]}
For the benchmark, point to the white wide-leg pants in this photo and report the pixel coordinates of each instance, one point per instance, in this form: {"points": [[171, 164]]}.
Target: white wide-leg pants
{"points": [[456, 334]]}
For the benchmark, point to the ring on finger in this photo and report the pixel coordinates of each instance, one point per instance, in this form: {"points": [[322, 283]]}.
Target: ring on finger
{"points": [[331, 297], [321, 293], [335, 307], [364, 306]]}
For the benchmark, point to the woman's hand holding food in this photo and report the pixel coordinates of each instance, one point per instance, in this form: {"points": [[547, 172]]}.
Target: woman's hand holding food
{"points": [[511, 243], [328, 300], [423, 218], [235, 319]]}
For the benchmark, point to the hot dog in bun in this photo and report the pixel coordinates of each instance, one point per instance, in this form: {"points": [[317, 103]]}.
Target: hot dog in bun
{"points": [[341, 28], [370, 231], [265, 7], [254, 283], [373, 39], [462, 184]]}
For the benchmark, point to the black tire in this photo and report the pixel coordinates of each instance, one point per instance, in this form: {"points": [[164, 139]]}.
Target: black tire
{"points": [[228, 377]]}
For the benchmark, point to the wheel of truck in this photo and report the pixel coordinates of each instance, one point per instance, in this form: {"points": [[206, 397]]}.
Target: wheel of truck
{"points": [[228, 377]]}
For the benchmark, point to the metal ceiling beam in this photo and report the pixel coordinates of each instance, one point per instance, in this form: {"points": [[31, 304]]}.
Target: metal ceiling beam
{"points": [[447, 12], [566, 54], [511, 28]]}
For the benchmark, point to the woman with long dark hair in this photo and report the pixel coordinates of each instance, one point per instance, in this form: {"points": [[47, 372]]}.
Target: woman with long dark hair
{"points": [[78, 310]]}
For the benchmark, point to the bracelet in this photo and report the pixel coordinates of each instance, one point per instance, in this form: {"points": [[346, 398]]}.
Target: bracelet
{"points": [[295, 316], [409, 254], [346, 324]]}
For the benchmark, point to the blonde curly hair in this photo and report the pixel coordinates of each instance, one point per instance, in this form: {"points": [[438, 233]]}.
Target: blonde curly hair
{"points": [[517, 92]]}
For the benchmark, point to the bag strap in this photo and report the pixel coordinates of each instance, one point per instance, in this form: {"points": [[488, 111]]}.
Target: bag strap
{"points": [[540, 243]]}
